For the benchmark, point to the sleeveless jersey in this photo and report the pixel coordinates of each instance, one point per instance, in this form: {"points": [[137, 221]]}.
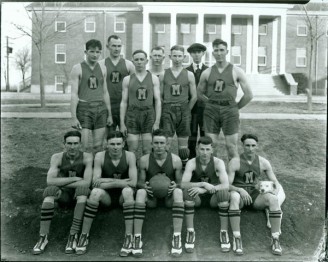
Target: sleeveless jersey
{"points": [[91, 83], [141, 94], [221, 86], [154, 168], [115, 75], [248, 174], [176, 89], [67, 169], [208, 175], [109, 170]]}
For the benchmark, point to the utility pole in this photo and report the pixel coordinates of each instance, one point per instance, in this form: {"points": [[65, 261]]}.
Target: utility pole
{"points": [[7, 83]]}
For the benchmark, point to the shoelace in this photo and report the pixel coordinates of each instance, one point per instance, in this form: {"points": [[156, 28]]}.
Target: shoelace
{"points": [[190, 237], [224, 237], [83, 240], [137, 242], [176, 241]]}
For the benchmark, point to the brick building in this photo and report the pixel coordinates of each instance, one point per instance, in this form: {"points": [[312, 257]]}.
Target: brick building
{"points": [[279, 29]]}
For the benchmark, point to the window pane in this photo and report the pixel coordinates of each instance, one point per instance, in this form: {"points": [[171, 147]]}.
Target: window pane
{"points": [[61, 26], [90, 27], [236, 60], [236, 29], [60, 48], [262, 51], [302, 30], [261, 60], [263, 29], [235, 51], [159, 28], [211, 28], [301, 61], [185, 28], [61, 57], [119, 26]]}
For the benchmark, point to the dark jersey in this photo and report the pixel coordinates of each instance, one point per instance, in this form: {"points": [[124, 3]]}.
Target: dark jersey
{"points": [[176, 89], [109, 170], [154, 168], [208, 175], [68, 169], [141, 94]]}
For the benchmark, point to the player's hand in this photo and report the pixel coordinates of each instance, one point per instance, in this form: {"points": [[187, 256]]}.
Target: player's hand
{"points": [[210, 188], [245, 197], [97, 183], [124, 130], [76, 124], [149, 189], [171, 187], [194, 191], [155, 126], [109, 120]]}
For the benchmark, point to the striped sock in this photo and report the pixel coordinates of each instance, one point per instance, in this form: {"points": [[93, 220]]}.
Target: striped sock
{"points": [[234, 216], [177, 214], [139, 217], [90, 212], [47, 213], [189, 213], [77, 218], [224, 220], [275, 220], [128, 213]]}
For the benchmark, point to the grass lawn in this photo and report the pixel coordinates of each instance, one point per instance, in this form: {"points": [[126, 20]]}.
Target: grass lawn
{"points": [[296, 150]]}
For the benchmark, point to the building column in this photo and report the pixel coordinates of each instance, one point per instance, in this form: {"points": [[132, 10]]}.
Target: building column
{"points": [[274, 46], [173, 31], [226, 33], [282, 44], [200, 28], [146, 32], [249, 46], [255, 43]]}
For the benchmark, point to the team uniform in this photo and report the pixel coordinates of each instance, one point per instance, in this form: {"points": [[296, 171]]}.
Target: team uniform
{"points": [[221, 110], [140, 116], [91, 110], [176, 113]]}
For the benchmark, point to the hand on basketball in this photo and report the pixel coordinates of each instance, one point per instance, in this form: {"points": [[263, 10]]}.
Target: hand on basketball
{"points": [[149, 189], [210, 188], [245, 197], [76, 124], [172, 186]]}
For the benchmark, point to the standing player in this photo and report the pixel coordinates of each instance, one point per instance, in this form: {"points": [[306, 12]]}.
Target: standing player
{"points": [[177, 85], [117, 68], [244, 173], [69, 177], [205, 175], [140, 93], [114, 177], [196, 51], [159, 161], [90, 102], [157, 57], [218, 88]]}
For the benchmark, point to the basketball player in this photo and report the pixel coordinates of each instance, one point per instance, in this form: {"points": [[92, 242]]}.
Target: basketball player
{"points": [[218, 89], [177, 85], [68, 178], [157, 57], [90, 102], [141, 105], [159, 161], [244, 173], [205, 178], [114, 177]]}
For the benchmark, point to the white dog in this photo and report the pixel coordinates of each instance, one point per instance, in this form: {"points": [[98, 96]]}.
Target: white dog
{"points": [[266, 187]]}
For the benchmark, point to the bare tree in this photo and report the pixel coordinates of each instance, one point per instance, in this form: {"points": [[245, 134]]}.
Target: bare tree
{"points": [[66, 72], [23, 62], [4, 71]]}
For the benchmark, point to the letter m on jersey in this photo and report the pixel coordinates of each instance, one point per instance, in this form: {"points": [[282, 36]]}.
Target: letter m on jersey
{"points": [[176, 90], [142, 94], [219, 86], [249, 177], [93, 82], [115, 77]]}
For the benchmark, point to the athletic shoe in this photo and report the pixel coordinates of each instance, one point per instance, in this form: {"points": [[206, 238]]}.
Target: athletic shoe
{"points": [[275, 247], [176, 250], [41, 245], [224, 239], [237, 246], [71, 244], [82, 245], [190, 242], [127, 246], [137, 250]]}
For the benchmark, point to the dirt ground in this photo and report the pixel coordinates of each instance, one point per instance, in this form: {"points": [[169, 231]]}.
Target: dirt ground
{"points": [[296, 150]]}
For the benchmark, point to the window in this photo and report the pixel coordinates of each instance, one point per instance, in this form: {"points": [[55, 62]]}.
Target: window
{"points": [[263, 29], [90, 24], [262, 56], [211, 29], [119, 25], [185, 28], [60, 50], [236, 29], [236, 55], [301, 29], [160, 28], [301, 57], [60, 26], [59, 83]]}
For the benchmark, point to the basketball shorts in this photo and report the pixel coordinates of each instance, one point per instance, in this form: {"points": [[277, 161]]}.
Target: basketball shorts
{"points": [[66, 198], [206, 199], [92, 115], [176, 119], [140, 120], [223, 116], [115, 108], [153, 202], [253, 192], [116, 197]]}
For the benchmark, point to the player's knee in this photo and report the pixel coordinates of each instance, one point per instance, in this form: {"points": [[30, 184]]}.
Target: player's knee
{"points": [[273, 201], [177, 195], [234, 198], [51, 192], [184, 153], [189, 203], [223, 195], [186, 196], [127, 193], [95, 194], [141, 196], [82, 191]]}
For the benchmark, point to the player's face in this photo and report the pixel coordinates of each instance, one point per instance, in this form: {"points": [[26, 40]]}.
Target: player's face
{"points": [[159, 144], [177, 57], [72, 145], [157, 57], [92, 54], [220, 52], [140, 61], [115, 46], [205, 152], [250, 146], [115, 146], [197, 56]]}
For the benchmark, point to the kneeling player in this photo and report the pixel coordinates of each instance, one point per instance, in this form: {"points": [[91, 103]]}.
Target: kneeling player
{"points": [[159, 161], [114, 177], [69, 177], [206, 174]]}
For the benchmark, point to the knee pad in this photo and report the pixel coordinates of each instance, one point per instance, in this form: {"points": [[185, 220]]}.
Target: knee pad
{"points": [[53, 191], [223, 195], [186, 196], [184, 153], [82, 191]]}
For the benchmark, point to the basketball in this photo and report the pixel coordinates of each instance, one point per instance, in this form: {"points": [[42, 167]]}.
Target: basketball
{"points": [[160, 184]]}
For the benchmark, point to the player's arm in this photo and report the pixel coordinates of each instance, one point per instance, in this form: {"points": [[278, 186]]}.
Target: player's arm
{"points": [[242, 80], [161, 86], [130, 67], [158, 104], [124, 103], [106, 96], [74, 81], [222, 174], [52, 175], [201, 88], [177, 165], [266, 166], [142, 171], [192, 90], [133, 172]]}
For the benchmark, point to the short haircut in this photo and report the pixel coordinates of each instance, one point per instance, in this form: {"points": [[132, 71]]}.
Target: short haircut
{"points": [[178, 48], [158, 48], [160, 132], [219, 41], [93, 43], [247, 136], [115, 134], [139, 51], [205, 140], [113, 37], [72, 133]]}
